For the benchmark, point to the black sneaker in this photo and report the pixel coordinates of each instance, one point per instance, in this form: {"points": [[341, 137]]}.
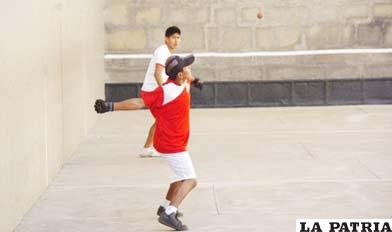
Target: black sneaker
{"points": [[172, 221], [161, 209]]}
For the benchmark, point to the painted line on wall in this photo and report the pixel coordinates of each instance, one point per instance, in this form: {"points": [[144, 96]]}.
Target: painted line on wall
{"points": [[263, 53]]}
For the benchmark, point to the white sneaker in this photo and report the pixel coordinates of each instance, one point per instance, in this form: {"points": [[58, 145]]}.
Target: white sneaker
{"points": [[149, 152]]}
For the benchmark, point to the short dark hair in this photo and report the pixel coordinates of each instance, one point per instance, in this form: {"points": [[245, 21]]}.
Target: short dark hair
{"points": [[172, 30]]}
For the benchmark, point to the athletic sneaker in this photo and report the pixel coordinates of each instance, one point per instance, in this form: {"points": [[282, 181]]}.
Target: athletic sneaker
{"points": [[161, 209], [172, 221], [149, 153]]}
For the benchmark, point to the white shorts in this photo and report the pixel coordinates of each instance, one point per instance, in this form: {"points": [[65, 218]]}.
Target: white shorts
{"points": [[181, 165]]}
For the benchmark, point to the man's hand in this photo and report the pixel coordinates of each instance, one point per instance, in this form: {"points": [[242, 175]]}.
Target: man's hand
{"points": [[197, 83], [102, 107]]}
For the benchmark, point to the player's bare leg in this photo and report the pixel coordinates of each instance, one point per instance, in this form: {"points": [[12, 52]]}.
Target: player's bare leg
{"points": [[150, 137], [148, 151], [173, 189], [181, 190], [177, 193]]}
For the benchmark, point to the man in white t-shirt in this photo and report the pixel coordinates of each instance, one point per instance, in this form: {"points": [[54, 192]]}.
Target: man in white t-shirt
{"points": [[155, 77]]}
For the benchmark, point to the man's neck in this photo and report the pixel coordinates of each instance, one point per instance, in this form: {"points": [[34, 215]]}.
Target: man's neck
{"points": [[171, 50], [179, 82]]}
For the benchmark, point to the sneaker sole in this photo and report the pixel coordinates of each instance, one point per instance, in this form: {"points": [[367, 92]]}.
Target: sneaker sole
{"points": [[164, 223], [149, 155]]}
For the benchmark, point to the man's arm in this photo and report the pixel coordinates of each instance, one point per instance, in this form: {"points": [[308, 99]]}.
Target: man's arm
{"points": [[158, 72], [102, 106]]}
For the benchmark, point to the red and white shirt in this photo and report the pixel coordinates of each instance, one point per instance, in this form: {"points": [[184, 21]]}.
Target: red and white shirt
{"points": [[170, 105]]}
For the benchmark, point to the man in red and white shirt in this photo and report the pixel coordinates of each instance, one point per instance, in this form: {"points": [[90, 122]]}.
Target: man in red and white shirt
{"points": [[155, 76], [170, 105]]}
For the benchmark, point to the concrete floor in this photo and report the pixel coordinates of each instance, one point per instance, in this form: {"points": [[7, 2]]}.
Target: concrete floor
{"points": [[259, 169]]}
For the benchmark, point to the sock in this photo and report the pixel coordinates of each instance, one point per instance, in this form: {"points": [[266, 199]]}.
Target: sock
{"points": [[170, 209], [148, 149], [166, 203]]}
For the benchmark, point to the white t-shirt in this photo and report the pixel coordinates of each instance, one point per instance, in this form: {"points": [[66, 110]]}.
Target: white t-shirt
{"points": [[160, 56]]}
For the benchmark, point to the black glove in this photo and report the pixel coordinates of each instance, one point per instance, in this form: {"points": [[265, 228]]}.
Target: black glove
{"points": [[197, 83], [102, 107]]}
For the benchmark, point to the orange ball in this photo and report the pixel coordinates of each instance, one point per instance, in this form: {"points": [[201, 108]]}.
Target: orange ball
{"points": [[259, 15]]}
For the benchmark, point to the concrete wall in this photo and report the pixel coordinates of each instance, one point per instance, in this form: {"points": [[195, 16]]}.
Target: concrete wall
{"points": [[231, 25], [51, 70], [311, 67]]}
